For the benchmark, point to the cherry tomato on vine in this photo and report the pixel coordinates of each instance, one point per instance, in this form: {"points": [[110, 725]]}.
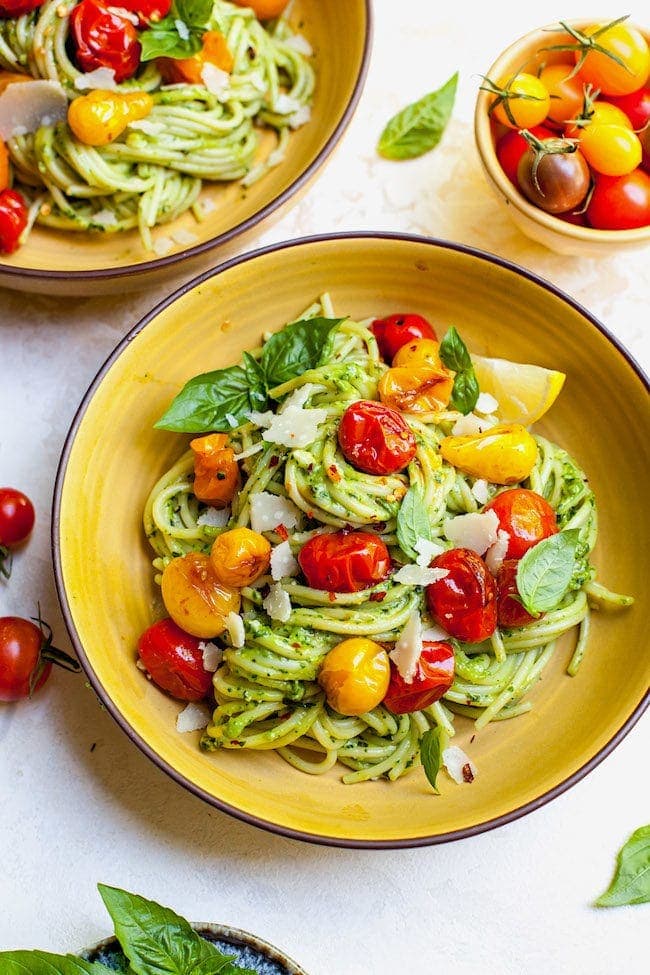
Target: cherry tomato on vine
{"points": [[396, 330], [375, 439], [16, 8], [104, 39], [525, 516], [433, 678], [510, 612], [174, 661], [512, 146], [598, 113], [147, 11], [566, 93], [26, 657], [636, 106], [464, 601], [620, 202], [555, 181], [344, 561], [13, 220], [522, 101], [264, 9], [601, 70]]}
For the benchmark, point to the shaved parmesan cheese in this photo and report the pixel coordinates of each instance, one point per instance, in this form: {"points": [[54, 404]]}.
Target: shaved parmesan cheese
{"points": [[147, 126], [126, 15], [427, 551], [258, 81], [214, 79], [460, 767], [182, 29], [283, 562], [212, 656], [214, 517], [433, 634], [301, 117], [295, 427], [256, 447], [184, 237], [277, 604], [408, 649], [105, 218], [285, 104], [300, 44], [418, 575], [162, 246], [194, 717], [269, 511], [474, 531], [480, 490], [486, 403], [25, 105], [299, 397], [101, 79], [261, 419], [467, 426], [235, 627], [496, 553]]}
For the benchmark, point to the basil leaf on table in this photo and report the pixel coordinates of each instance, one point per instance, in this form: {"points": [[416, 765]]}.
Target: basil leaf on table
{"points": [[419, 127], [544, 573], [431, 755], [455, 356], [631, 881], [45, 963], [157, 941], [210, 401], [296, 348], [412, 522]]}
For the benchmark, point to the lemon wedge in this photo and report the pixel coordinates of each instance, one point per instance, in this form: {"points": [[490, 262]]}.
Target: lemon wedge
{"points": [[524, 392]]}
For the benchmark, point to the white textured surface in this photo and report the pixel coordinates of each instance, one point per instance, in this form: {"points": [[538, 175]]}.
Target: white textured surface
{"points": [[509, 902]]}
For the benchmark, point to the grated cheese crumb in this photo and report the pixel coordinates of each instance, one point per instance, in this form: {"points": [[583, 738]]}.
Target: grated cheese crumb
{"points": [[235, 627], [194, 717], [300, 44], [277, 604], [480, 490], [214, 517], [427, 551], [283, 563], [212, 656], [496, 553], [460, 767], [101, 79]]}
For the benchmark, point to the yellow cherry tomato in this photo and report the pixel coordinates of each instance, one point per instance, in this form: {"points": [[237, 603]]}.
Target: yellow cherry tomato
{"points": [[504, 454], [416, 389], [239, 557], [612, 150], [419, 352], [566, 94], [523, 103], [264, 9], [189, 71], [355, 676], [194, 597], [601, 70], [216, 472], [98, 118], [598, 113]]}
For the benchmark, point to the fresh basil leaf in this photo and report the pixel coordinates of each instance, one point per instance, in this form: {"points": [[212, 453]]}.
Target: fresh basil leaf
{"points": [[193, 13], [296, 348], [631, 881], [419, 127], [412, 522], [162, 40], [208, 402], [431, 755], [455, 356], [44, 963], [465, 392], [257, 381], [545, 571], [157, 941]]}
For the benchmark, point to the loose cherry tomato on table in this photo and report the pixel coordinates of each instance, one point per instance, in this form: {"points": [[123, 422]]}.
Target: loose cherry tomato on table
{"points": [[566, 93], [627, 45], [16, 8], [355, 675], [375, 439], [104, 39], [194, 597], [512, 146], [147, 11], [521, 101], [16, 523], [26, 657], [13, 220], [636, 106], [510, 612], [620, 202], [264, 9], [396, 330], [174, 661], [433, 678], [344, 561], [464, 601], [554, 175], [525, 516]]}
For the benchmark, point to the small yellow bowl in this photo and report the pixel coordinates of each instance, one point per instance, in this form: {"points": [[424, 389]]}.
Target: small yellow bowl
{"points": [[113, 456], [556, 234], [66, 262]]}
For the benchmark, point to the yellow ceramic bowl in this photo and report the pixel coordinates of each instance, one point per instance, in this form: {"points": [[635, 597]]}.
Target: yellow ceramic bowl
{"points": [[113, 455], [556, 234], [64, 263]]}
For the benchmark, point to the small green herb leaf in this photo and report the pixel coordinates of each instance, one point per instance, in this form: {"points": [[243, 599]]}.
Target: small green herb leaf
{"points": [[412, 522], [44, 963], [419, 127], [631, 881], [545, 571], [455, 355], [211, 401], [431, 755], [296, 348], [163, 39]]}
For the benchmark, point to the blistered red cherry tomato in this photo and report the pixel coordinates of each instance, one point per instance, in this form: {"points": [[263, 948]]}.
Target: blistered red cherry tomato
{"points": [[464, 601], [344, 561], [510, 611], [512, 146], [174, 661], [525, 516], [16, 8], [147, 11], [13, 220], [376, 439], [396, 330], [620, 202], [104, 39], [636, 106], [434, 677], [26, 657]]}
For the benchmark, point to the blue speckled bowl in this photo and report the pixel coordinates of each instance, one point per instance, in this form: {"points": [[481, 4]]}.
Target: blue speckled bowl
{"points": [[247, 949]]}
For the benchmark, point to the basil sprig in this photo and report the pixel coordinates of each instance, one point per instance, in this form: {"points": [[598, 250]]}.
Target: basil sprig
{"points": [[545, 572], [419, 127], [180, 33], [220, 400], [45, 963], [631, 881], [412, 522], [431, 755], [455, 355]]}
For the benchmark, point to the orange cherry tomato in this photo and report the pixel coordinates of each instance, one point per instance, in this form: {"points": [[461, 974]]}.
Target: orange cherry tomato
{"points": [[216, 474], [433, 678], [375, 439], [631, 48], [523, 103], [419, 389], [189, 70], [464, 601], [194, 597], [264, 9], [396, 330], [525, 516], [344, 561], [510, 612], [566, 93]]}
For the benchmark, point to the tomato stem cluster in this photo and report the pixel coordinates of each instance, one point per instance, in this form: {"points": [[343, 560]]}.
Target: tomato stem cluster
{"points": [[585, 43], [546, 147]]}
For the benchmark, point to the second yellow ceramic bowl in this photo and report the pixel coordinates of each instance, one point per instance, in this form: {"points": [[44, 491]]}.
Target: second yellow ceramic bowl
{"points": [[113, 456]]}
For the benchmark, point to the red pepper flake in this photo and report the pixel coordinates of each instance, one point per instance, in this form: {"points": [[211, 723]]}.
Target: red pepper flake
{"points": [[310, 468], [468, 775], [274, 461], [296, 646], [334, 473], [332, 597], [377, 597], [282, 532]]}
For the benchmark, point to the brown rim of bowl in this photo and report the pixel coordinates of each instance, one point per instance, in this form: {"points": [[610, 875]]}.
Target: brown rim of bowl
{"points": [[98, 687], [130, 270]]}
